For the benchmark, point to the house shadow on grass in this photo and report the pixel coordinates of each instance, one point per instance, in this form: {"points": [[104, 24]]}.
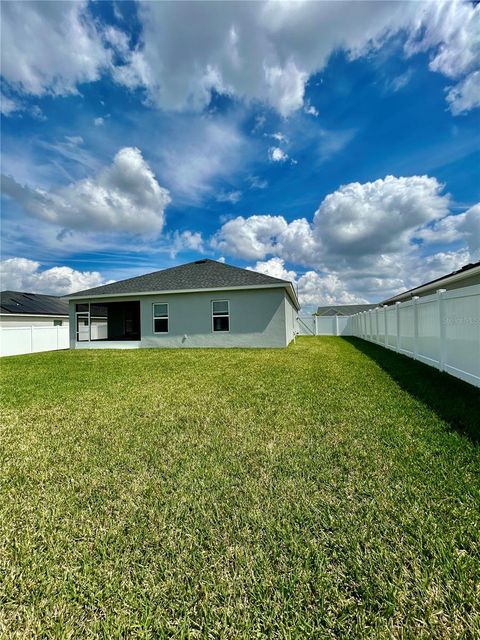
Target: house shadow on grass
{"points": [[455, 401]]}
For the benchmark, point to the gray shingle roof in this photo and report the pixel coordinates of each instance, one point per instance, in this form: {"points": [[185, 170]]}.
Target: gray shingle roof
{"points": [[344, 309], [32, 304], [201, 274]]}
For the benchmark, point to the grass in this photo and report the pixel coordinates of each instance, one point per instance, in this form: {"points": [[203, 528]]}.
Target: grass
{"points": [[312, 492]]}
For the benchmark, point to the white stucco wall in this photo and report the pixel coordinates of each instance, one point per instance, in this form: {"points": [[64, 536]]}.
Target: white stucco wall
{"points": [[31, 321], [258, 318]]}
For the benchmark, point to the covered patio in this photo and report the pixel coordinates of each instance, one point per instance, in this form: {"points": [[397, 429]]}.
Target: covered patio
{"points": [[107, 321]]}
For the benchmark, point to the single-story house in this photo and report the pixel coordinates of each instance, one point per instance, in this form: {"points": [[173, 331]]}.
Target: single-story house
{"points": [[464, 277], [343, 309], [200, 304], [20, 309]]}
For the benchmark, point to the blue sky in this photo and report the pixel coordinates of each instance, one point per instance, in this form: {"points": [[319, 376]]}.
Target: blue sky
{"points": [[335, 144]]}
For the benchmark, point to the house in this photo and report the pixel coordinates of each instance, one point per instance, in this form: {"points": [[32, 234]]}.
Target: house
{"points": [[20, 309], [32, 322], [200, 304], [343, 309], [464, 277]]}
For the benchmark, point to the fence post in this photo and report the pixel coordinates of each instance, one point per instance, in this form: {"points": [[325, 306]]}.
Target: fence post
{"points": [[443, 328], [397, 307], [415, 326], [336, 325], [316, 325], [385, 323], [31, 339]]}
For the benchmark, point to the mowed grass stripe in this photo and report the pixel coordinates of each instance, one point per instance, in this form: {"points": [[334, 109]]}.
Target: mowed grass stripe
{"points": [[289, 493]]}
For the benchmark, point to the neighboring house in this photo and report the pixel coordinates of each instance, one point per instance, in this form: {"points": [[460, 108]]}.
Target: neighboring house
{"points": [[201, 304], [343, 309], [464, 277], [20, 309]]}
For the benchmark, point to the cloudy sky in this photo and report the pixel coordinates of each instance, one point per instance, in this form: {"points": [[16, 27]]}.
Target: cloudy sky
{"points": [[333, 143]]}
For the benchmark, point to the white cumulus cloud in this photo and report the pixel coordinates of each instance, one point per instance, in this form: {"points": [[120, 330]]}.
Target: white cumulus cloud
{"points": [[313, 289], [257, 51], [21, 274], [465, 95], [276, 154], [252, 238], [365, 240], [275, 267], [450, 30], [361, 219], [49, 48], [268, 51], [123, 197]]}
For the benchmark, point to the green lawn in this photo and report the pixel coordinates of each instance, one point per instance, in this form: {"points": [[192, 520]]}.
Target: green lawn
{"points": [[328, 490]]}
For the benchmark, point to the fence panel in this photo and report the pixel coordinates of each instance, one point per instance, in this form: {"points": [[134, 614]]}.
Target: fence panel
{"points": [[344, 325], [392, 327], [428, 338], [442, 330], [407, 336], [19, 340], [306, 326], [325, 325], [462, 333]]}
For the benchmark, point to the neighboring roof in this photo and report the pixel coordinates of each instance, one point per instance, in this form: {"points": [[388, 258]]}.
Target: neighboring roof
{"points": [[344, 309], [201, 274], [19, 302], [467, 271]]}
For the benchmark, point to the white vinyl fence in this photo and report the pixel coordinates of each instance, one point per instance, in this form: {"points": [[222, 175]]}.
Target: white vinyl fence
{"points": [[442, 330], [325, 325], [17, 340]]}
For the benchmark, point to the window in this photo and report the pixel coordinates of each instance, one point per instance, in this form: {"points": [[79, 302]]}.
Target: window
{"points": [[57, 323], [220, 315], [160, 317]]}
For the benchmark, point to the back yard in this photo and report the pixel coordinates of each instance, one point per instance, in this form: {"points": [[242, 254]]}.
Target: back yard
{"points": [[329, 490]]}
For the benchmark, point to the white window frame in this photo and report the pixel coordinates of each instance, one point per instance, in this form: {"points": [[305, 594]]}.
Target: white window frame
{"points": [[221, 315], [154, 317]]}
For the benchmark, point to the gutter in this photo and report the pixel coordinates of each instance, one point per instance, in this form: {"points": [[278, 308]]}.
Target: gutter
{"points": [[34, 315]]}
